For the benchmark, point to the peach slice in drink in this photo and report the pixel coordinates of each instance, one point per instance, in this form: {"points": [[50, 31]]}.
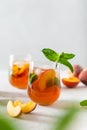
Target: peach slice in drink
{"points": [[17, 70], [25, 66], [19, 75], [45, 89], [46, 79]]}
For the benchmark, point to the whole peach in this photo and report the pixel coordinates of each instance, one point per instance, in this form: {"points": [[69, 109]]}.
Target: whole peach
{"points": [[83, 76], [77, 70]]}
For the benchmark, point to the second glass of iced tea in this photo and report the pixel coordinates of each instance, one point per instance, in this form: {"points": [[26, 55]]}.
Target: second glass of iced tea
{"points": [[19, 70], [44, 83]]}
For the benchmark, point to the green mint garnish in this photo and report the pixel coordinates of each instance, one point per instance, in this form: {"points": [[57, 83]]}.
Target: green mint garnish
{"points": [[67, 55], [83, 103], [59, 58], [33, 77], [50, 54]]}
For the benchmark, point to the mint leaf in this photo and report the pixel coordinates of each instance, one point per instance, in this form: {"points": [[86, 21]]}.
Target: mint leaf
{"points": [[58, 58], [67, 55], [50, 54], [83, 103], [32, 77], [66, 63]]}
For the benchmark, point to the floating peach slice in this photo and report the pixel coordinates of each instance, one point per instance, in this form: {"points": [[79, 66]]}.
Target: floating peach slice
{"points": [[71, 81], [13, 111], [22, 69], [15, 70], [46, 78]]}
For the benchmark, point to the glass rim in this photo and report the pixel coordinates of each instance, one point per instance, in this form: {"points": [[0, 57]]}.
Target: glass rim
{"points": [[45, 64]]}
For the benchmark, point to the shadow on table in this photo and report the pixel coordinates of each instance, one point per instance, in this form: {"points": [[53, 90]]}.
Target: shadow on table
{"points": [[42, 114], [69, 93], [39, 117], [82, 86], [5, 96], [65, 104], [49, 113]]}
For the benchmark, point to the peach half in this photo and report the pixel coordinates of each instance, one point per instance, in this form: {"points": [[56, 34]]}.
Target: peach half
{"points": [[70, 82]]}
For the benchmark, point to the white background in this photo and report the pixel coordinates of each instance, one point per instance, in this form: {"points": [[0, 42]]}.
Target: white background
{"points": [[27, 26]]}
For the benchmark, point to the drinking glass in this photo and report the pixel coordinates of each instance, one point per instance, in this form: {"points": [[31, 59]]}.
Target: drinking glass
{"points": [[44, 83], [19, 66]]}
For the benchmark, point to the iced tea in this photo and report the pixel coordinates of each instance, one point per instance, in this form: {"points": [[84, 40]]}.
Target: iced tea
{"points": [[19, 67], [44, 86]]}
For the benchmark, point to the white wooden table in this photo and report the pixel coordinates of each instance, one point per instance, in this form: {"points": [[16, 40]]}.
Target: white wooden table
{"points": [[43, 116]]}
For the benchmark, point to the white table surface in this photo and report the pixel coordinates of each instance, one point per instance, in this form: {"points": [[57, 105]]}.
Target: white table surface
{"points": [[43, 116]]}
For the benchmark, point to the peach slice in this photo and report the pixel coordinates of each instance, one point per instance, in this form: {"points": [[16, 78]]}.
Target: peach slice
{"points": [[15, 70], [46, 79], [25, 107], [28, 107], [12, 110], [22, 69], [17, 103], [71, 81]]}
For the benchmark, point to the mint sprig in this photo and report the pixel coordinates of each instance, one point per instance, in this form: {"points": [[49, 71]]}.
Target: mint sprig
{"points": [[83, 103], [59, 58]]}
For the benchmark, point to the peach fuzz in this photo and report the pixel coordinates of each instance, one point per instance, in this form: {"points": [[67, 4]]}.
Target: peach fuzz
{"points": [[83, 76], [77, 70]]}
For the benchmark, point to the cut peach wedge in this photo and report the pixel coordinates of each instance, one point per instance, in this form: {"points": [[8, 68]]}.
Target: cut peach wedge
{"points": [[16, 70], [25, 107], [28, 107], [70, 82], [17, 107], [17, 103], [13, 111], [46, 79], [22, 69]]}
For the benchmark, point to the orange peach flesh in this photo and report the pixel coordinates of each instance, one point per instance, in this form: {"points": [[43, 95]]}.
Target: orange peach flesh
{"points": [[71, 81]]}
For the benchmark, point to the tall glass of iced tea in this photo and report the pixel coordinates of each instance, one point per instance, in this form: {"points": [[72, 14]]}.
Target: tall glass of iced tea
{"points": [[44, 83], [19, 70]]}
